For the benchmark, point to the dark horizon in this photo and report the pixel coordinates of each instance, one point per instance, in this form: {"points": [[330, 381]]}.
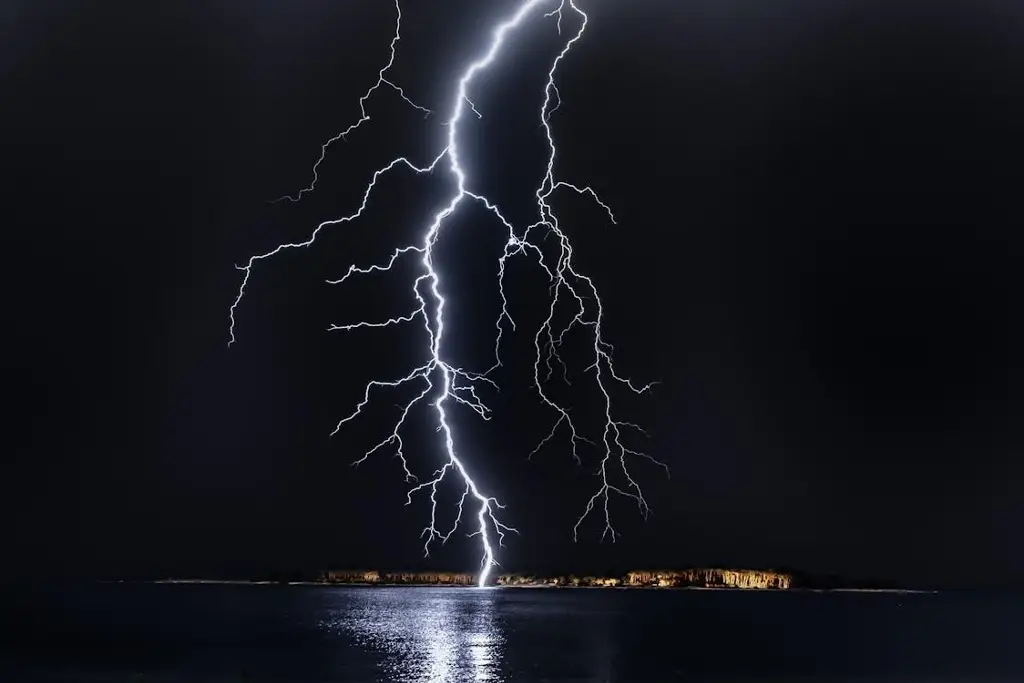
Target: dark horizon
{"points": [[817, 256]]}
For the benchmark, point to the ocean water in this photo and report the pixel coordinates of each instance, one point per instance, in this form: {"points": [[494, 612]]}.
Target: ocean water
{"points": [[300, 634]]}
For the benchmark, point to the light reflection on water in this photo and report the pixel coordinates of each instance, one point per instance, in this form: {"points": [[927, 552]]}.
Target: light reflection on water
{"points": [[307, 634], [452, 635], [427, 635]]}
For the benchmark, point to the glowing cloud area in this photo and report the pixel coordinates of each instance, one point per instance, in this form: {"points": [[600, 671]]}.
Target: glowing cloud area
{"points": [[442, 387]]}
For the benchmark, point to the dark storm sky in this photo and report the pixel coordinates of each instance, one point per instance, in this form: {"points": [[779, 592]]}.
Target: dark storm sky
{"points": [[817, 256]]}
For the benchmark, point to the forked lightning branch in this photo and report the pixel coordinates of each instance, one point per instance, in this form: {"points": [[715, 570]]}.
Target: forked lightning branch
{"points": [[440, 386]]}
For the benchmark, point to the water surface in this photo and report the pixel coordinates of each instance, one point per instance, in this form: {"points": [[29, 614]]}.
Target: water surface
{"points": [[300, 634]]}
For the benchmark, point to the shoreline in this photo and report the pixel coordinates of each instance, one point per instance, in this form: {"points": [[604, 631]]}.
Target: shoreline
{"points": [[240, 582]]}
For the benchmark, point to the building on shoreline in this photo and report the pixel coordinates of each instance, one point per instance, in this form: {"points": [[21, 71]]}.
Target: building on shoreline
{"points": [[711, 578]]}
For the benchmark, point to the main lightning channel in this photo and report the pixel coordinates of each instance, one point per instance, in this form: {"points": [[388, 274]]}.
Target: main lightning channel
{"points": [[440, 377]]}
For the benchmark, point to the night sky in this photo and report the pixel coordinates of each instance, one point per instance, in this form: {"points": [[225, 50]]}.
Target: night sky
{"points": [[817, 256]]}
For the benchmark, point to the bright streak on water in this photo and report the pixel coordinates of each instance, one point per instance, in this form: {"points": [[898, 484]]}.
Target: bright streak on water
{"points": [[128, 633], [447, 634]]}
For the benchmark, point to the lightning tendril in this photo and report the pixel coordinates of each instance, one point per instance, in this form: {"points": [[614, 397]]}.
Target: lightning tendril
{"points": [[445, 386]]}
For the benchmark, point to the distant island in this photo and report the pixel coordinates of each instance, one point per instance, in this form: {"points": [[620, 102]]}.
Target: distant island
{"points": [[699, 578]]}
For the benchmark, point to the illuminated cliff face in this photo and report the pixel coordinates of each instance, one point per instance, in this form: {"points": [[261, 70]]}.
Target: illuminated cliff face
{"points": [[711, 578]]}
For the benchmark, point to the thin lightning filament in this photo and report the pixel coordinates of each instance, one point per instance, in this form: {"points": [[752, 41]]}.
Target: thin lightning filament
{"points": [[444, 387]]}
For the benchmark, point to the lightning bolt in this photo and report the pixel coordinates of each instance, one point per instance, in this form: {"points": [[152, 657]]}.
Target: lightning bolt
{"points": [[444, 385]]}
